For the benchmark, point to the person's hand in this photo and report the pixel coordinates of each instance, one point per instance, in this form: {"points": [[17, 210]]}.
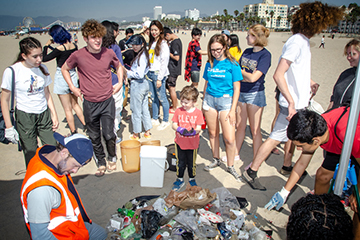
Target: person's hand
{"points": [[231, 117], [49, 42], [55, 122], [278, 199], [314, 88], [292, 112], [191, 132], [353, 203], [181, 130], [158, 84], [77, 93], [12, 135], [117, 87]]}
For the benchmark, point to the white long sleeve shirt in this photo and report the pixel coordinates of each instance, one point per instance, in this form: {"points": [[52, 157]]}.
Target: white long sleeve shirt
{"points": [[136, 71], [160, 63]]}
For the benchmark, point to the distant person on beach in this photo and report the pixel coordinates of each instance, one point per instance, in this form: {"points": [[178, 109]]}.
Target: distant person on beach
{"points": [[222, 76], [255, 63], [93, 63], [322, 44], [342, 94], [293, 78], [75, 39], [193, 58], [122, 43], [226, 34], [187, 121], [52, 207], [145, 32], [35, 111], [68, 100], [234, 48], [139, 99], [175, 46], [158, 73], [109, 41]]}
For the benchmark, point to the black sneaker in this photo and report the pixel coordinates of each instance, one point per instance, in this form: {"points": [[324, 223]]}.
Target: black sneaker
{"points": [[286, 170], [233, 172], [216, 162], [253, 182]]}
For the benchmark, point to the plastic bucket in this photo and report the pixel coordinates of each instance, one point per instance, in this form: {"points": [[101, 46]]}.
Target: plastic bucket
{"points": [[153, 166], [151, 143], [130, 155]]}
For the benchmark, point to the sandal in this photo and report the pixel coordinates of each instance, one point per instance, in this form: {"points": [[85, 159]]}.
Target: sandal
{"points": [[100, 171], [147, 136], [111, 166]]}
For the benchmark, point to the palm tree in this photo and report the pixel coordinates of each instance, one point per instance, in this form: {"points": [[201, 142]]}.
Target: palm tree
{"points": [[271, 16], [289, 18], [241, 18], [278, 19], [236, 13]]}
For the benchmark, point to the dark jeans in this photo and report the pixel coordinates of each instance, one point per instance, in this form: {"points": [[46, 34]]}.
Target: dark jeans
{"points": [[30, 126], [103, 113], [185, 158]]}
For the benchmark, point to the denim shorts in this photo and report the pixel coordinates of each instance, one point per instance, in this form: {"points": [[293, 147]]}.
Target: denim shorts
{"points": [[195, 76], [60, 85], [254, 98], [219, 104]]}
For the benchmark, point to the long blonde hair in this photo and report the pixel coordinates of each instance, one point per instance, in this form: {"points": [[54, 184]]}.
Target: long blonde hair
{"points": [[219, 39]]}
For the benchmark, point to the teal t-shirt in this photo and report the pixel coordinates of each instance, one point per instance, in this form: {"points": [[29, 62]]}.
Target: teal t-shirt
{"points": [[221, 77]]}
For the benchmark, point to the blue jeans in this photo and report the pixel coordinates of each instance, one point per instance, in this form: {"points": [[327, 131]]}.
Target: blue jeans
{"points": [[160, 96], [139, 105]]}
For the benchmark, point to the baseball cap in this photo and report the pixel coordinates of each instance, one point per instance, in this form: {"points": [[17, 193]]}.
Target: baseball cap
{"points": [[136, 39], [226, 32], [79, 146]]}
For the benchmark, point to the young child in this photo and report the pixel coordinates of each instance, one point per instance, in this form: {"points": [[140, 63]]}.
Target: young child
{"points": [[187, 123], [93, 64], [193, 58]]}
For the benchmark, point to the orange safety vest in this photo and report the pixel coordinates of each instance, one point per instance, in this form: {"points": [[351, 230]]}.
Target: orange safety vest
{"points": [[66, 221]]}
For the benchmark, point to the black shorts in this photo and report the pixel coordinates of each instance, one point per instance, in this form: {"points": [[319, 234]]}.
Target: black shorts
{"points": [[171, 81], [331, 159], [277, 94]]}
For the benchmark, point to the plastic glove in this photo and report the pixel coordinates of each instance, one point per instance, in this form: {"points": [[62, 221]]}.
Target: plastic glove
{"points": [[278, 199], [191, 132], [12, 135]]}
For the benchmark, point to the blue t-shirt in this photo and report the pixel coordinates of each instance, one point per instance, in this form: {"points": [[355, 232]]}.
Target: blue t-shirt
{"points": [[117, 51], [221, 77], [250, 61]]}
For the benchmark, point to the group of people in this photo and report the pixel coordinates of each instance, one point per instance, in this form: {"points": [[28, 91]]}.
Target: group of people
{"points": [[150, 62]]}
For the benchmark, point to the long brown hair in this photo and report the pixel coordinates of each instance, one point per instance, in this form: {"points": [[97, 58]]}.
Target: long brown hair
{"points": [[26, 45], [161, 36], [219, 39]]}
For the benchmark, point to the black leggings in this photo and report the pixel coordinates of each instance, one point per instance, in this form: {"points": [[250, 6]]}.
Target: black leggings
{"points": [[185, 158]]}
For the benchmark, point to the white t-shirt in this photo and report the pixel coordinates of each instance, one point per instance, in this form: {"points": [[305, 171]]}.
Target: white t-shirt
{"points": [[29, 87], [297, 50], [160, 63]]}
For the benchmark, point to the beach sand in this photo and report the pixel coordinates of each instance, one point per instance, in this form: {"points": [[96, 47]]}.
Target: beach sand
{"points": [[102, 196]]}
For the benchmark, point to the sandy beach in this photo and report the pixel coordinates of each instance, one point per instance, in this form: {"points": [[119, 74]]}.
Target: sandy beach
{"points": [[102, 196]]}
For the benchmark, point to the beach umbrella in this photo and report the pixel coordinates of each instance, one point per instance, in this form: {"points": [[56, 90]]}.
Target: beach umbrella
{"points": [[349, 135]]}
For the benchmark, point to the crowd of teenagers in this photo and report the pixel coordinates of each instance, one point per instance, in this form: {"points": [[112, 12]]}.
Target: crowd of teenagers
{"points": [[148, 63]]}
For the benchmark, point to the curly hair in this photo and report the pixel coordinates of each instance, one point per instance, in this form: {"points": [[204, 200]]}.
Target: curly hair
{"points": [[59, 34], [320, 217], [261, 34], [219, 39], [313, 17], [305, 125], [109, 38], [93, 28]]}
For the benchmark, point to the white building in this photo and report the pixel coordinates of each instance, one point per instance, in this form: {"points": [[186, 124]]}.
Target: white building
{"points": [[173, 16], [157, 12], [263, 10], [192, 14], [144, 19]]}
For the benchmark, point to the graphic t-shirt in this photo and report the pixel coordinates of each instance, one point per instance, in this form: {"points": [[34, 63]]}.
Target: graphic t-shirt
{"points": [[250, 61], [188, 120], [334, 145], [221, 77], [29, 87]]}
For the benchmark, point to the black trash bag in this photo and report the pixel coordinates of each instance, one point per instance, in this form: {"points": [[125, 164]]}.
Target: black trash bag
{"points": [[149, 222], [187, 236]]}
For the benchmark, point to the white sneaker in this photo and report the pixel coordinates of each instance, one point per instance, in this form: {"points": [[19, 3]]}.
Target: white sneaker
{"points": [[162, 126], [155, 122]]}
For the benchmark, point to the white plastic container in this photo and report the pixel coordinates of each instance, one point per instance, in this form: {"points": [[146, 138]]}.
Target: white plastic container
{"points": [[152, 166]]}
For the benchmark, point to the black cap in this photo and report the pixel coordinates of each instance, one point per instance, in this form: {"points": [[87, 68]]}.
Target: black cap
{"points": [[136, 39]]}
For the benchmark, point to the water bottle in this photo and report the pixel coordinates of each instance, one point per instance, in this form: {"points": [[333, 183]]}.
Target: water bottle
{"points": [[126, 212], [224, 231]]}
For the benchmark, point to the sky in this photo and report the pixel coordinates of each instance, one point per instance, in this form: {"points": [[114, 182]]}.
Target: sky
{"points": [[124, 8]]}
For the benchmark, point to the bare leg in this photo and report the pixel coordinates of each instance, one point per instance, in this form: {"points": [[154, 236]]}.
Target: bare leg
{"points": [[289, 152], [173, 97], [322, 180], [241, 120], [229, 137], [263, 153], [65, 100], [212, 121], [77, 109], [255, 114], [195, 84]]}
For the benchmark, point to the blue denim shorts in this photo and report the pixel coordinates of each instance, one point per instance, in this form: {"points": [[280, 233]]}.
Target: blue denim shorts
{"points": [[219, 104], [60, 85], [255, 98]]}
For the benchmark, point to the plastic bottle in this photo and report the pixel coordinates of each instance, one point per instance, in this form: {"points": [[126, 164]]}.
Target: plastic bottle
{"points": [[224, 231], [162, 233], [126, 212]]}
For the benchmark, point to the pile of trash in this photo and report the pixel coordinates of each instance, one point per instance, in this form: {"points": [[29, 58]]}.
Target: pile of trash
{"points": [[194, 213]]}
